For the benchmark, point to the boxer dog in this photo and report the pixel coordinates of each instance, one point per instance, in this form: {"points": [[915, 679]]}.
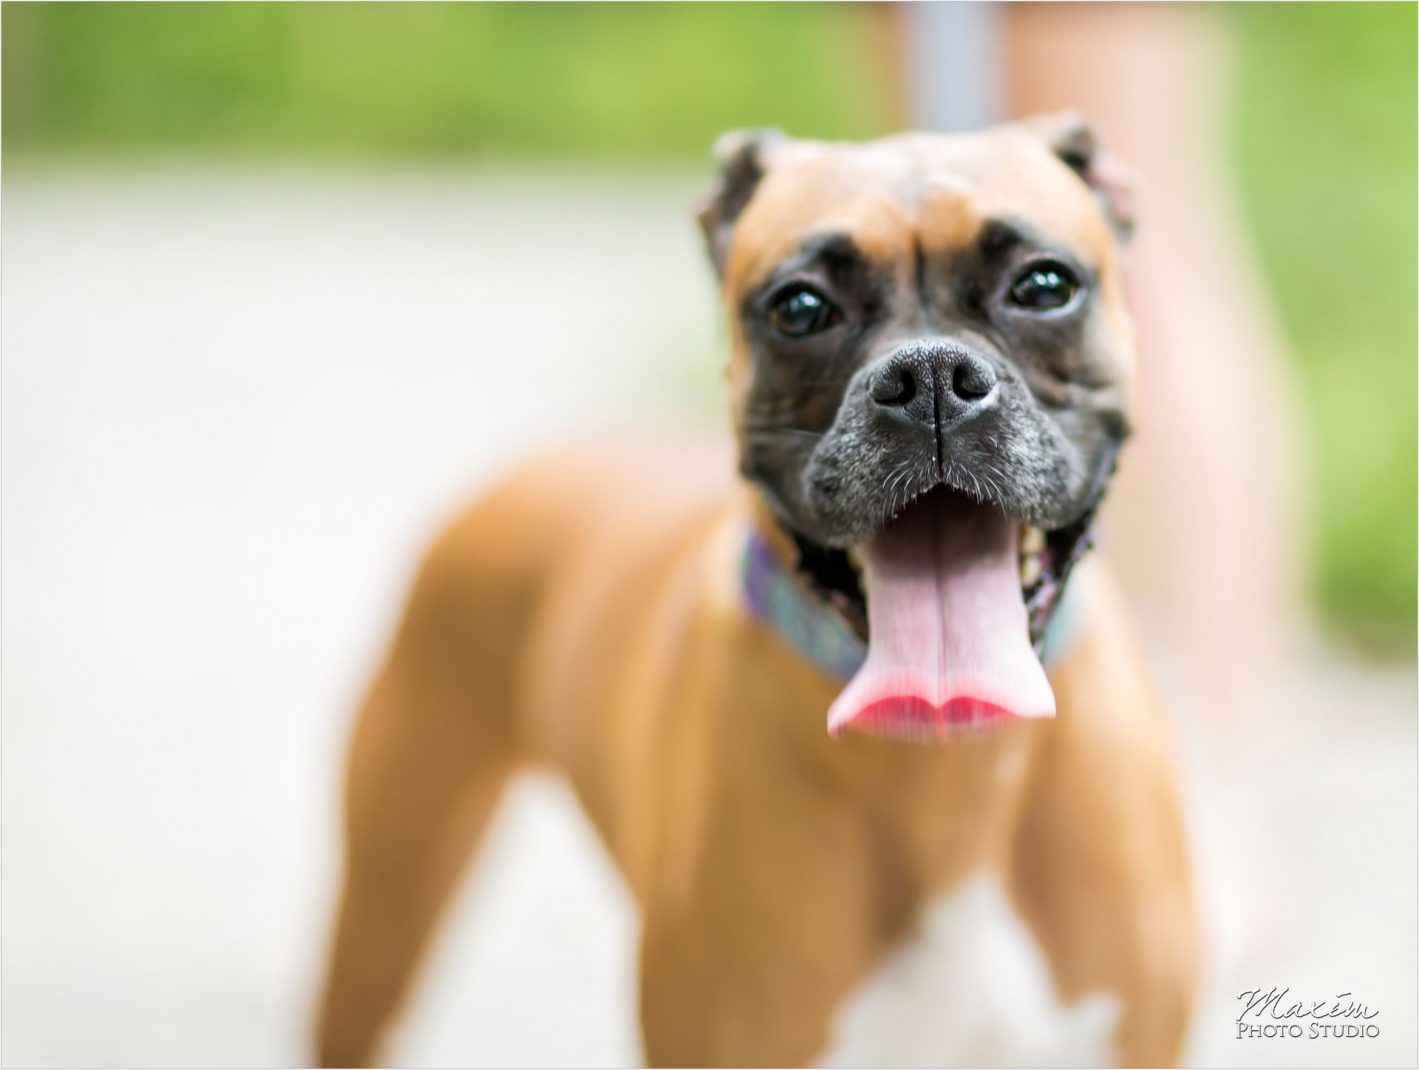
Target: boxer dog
{"points": [[885, 774]]}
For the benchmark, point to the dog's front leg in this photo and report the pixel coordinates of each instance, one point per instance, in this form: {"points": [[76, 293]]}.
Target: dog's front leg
{"points": [[1100, 869], [747, 955]]}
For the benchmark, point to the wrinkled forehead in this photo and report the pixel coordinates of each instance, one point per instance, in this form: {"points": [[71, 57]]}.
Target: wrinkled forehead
{"points": [[919, 194]]}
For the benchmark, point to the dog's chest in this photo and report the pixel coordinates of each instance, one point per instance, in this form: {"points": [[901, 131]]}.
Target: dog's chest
{"points": [[970, 987]]}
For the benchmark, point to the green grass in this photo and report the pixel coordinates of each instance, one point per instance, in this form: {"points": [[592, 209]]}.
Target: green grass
{"points": [[1324, 139], [436, 80], [1323, 135]]}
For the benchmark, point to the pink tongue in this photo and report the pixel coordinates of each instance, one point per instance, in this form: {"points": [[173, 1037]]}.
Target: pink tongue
{"points": [[949, 641]]}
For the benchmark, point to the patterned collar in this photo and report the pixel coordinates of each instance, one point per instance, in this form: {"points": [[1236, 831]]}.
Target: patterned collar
{"points": [[777, 597]]}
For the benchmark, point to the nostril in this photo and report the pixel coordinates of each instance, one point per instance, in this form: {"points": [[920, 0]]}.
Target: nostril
{"points": [[893, 385], [971, 380]]}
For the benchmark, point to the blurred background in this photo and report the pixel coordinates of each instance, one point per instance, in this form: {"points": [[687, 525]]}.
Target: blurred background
{"points": [[275, 279]]}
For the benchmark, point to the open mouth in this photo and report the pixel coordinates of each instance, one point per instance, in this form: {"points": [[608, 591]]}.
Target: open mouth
{"points": [[952, 597]]}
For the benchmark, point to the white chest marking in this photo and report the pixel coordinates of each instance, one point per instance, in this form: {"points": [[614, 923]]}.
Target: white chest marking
{"points": [[970, 988]]}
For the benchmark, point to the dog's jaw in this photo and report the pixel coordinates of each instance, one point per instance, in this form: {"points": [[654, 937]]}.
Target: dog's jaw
{"points": [[949, 647]]}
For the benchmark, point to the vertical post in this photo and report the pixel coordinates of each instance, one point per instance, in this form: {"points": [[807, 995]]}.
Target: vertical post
{"points": [[954, 63]]}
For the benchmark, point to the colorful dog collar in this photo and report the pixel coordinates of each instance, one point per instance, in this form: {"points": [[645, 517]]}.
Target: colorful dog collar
{"points": [[777, 597]]}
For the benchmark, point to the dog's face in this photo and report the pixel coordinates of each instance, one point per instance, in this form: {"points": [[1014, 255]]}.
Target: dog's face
{"points": [[919, 312]]}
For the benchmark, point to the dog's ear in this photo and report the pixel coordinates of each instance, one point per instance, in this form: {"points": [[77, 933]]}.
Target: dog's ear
{"points": [[1072, 138], [741, 157]]}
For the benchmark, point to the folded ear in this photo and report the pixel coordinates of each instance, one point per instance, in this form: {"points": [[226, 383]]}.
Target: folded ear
{"points": [[741, 158], [1072, 138]]}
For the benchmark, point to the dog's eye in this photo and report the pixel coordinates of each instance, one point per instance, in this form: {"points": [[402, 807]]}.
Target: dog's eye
{"points": [[1043, 287], [799, 311]]}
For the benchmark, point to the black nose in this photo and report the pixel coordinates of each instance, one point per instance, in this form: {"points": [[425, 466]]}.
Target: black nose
{"points": [[934, 383]]}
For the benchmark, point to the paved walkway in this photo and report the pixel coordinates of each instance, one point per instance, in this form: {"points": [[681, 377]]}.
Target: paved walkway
{"points": [[235, 405]]}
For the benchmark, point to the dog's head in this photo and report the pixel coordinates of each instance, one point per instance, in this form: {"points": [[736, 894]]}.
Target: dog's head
{"points": [[929, 339]]}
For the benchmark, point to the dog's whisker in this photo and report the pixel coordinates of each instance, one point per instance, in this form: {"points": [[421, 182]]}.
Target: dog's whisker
{"points": [[791, 431]]}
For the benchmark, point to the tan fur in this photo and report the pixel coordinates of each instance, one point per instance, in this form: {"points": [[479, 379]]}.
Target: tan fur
{"points": [[586, 615]]}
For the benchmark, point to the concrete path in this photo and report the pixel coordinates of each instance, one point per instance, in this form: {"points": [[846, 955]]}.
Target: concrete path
{"points": [[236, 403]]}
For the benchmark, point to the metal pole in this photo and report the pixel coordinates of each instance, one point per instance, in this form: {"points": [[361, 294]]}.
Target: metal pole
{"points": [[955, 63]]}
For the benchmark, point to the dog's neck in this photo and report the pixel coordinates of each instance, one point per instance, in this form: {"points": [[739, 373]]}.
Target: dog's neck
{"points": [[775, 594]]}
